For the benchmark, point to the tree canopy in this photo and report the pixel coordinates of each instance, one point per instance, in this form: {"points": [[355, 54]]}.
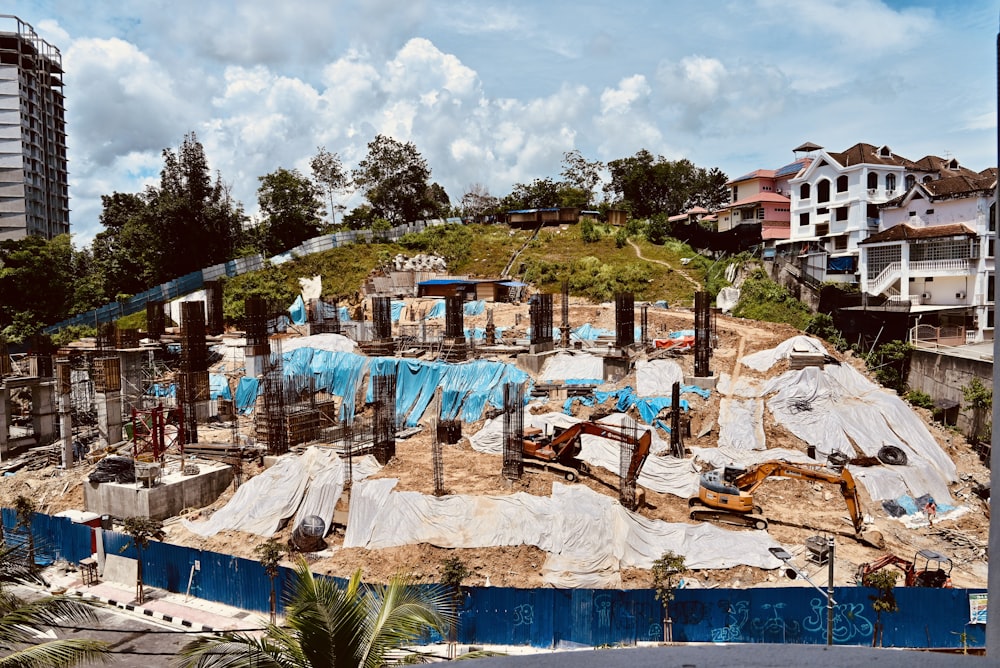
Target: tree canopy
{"points": [[291, 205], [647, 185], [394, 177]]}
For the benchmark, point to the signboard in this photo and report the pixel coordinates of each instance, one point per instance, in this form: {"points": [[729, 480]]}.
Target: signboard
{"points": [[977, 608]]}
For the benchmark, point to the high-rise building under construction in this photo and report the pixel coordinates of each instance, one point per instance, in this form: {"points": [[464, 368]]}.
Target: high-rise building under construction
{"points": [[34, 183]]}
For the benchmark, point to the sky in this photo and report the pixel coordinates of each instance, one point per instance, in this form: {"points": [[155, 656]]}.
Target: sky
{"points": [[494, 93]]}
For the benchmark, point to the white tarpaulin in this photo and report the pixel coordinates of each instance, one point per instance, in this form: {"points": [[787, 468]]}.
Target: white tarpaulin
{"points": [[263, 502], [312, 288], [727, 299], [662, 474], [656, 378], [717, 458], [588, 535], [741, 424], [567, 366], [332, 342], [765, 359], [174, 307]]}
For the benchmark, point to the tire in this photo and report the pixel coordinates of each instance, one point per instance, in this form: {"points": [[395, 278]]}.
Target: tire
{"points": [[890, 454], [760, 524], [571, 476], [694, 501]]}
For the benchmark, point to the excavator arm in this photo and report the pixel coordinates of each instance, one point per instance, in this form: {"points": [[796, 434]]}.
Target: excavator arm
{"points": [[565, 445]]}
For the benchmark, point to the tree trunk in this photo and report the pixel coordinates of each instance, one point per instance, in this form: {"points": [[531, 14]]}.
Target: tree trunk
{"points": [[139, 589], [274, 607]]}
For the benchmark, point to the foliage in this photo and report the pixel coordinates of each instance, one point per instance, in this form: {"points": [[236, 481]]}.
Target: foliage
{"points": [[67, 335], [657, 228], [269, 554], [273, 284], [621, 237], [539, 194], [889, 363], [452, 242], [21, 622], [186, 223], [453, 573], [589, 232], [329, 173], [327, 625], [477, 203], [141, 530], [763, 299], [884, 600], [919, 399], [646, 185], [979, 399], [291, 207], [665, 569], [821, 325], [394, 178], [590, 277], [581, 174]]}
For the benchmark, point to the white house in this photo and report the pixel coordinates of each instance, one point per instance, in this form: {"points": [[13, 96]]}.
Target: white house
{"points": [[935, 249]]}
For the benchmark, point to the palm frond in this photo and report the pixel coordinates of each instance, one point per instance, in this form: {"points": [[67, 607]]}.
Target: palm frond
{"points": [[234, 650], [58, 654], [16, 623], [398, 613]]}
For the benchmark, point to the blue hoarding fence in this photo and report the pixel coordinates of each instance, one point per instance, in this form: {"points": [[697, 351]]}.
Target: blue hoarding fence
{"points": [[927, 618]]}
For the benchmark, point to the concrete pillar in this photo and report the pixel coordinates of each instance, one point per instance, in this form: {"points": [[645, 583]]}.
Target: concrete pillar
{"points": [[4, 420], [904, 272], [43, 412], [109, 416]]}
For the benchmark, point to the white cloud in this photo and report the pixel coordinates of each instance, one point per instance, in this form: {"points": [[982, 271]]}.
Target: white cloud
{"points": [[620, 99]]}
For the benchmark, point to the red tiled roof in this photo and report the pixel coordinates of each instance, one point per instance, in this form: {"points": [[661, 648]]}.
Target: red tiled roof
{"points": [[756, 174], [764, 196], [905, 232], [868, 154]]}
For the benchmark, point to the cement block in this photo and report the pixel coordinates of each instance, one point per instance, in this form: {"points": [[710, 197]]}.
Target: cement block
{"points": [[704, 382], [174, 493]]}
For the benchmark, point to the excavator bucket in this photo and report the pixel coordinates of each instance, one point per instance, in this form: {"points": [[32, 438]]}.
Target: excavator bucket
{"points": [[872, 539]]}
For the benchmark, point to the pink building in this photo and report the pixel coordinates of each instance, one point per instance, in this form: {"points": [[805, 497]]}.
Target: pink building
{"points": [[761, 197]]}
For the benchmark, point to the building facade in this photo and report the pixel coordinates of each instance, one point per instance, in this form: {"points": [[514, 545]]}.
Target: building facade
{"points": [[762, 196], [34, 181]]}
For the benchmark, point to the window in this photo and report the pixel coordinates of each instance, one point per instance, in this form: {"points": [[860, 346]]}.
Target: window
{"points": [[890, 182], [990, 292], [804, 191], [822, 211], [929, 211], [991, 225], [872, 181], [842, 183], [841, 213], [885, 152], [928, 178], [760, 213], [736, 193], [912, 213], [803, 219], [823, 191], [990, 247], [910, 181]]}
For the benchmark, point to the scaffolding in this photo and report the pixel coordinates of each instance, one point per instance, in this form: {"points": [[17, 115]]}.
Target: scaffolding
{"points": [[702, 334], [513, 431], [382, 318], [564, 325], [676, 436], [213, 295], [155, 320], [274, 404]]}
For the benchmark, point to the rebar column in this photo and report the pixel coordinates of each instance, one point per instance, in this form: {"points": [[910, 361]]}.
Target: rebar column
{"points": [[702, 335], [274, 404], [541, 319], [437, 457], [624, 319], [676, 440], [644, 318], [257, 353], [193, 385], [564, 325], [626, 485], [382, 318], [64, 389], [155, 320], [491, 329], [385, 417], [213, 295], [454, 317], [513, 431]]}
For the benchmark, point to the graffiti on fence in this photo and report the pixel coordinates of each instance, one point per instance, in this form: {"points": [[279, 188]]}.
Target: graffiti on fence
{"points": [[737, 615], [849, 622], [524, 614], [774, 628]]}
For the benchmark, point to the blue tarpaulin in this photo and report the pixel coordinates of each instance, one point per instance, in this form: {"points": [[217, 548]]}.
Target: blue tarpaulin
{"points": [[475, 308], [626, 398], [246, 394], [436, 311], [298, 311], [218, 387], [397, 310], [165, 390]]}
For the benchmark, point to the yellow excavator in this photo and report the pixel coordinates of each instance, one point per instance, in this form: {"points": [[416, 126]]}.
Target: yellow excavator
{"points": [[560, 452], [727, 495]]}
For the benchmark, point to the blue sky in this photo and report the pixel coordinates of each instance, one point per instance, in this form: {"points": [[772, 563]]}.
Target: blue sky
{"points": [[494, 93]]}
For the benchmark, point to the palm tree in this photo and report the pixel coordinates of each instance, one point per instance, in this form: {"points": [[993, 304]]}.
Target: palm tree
{"points": [[19, 643], [327, 626]]}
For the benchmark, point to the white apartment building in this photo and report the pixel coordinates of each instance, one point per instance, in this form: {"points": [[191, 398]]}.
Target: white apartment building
{"points": [[34, 183]]}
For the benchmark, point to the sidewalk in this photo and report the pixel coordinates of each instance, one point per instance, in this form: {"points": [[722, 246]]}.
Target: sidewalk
{"points": [[187, 612]]}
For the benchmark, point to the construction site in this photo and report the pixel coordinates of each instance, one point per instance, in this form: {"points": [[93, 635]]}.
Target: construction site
{"points": [[543, 440]]}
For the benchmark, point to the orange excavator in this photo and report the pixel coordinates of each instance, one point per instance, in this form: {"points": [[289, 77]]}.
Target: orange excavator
{"points": [[561, 451], [727, 495], [936, 571]]}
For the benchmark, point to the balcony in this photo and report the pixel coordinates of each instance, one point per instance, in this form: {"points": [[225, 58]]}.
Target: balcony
{"points": [[951, 336]]}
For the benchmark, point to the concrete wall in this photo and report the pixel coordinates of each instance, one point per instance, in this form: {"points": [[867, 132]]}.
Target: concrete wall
{"points": [[166, 499], [943, 376]]}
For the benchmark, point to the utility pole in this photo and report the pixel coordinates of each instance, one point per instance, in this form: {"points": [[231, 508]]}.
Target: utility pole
{"points": [[829, 591], [993, 576]]}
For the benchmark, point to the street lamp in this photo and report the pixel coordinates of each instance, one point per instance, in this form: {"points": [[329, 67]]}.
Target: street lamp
{"points": [[793, 572]]}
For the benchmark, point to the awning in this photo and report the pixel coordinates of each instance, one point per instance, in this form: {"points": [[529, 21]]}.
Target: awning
{"points": [[798, 240]]}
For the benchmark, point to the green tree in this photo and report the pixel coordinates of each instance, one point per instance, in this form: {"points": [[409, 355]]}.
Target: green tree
{"points": [[539, 194], [821, 325], [326, 626], [25, 509], [141, 530], [329, 173], [290, 204], [453, 574], [979, 399], [394, 177], [582, 174], [36, 284], [269, 554], [477, 203], [884, 600], [647, 185], [22, 621], [889, 363], [665, 569]]}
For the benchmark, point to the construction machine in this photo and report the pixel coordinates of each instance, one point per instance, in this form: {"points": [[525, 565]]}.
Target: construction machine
{"points": [[561, 450], [727, 495], [936, 571]]}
